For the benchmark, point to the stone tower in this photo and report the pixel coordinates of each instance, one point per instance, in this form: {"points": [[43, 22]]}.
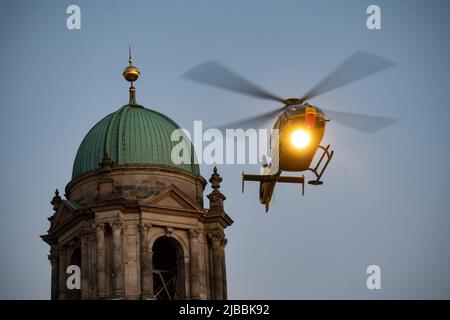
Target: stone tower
{"points": [[132, 220]]}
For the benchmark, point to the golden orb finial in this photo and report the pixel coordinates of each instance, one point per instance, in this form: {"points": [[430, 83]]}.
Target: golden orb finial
{"points": [[131, 74]]}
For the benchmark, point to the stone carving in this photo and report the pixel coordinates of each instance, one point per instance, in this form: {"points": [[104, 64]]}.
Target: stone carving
{"points": [[216, 197], [116, 225], [99, 227], [224, 242], [85, 233], [56, 201], [106, 164], [169, 231], [216, 236], [144, 227], [193, 234]]}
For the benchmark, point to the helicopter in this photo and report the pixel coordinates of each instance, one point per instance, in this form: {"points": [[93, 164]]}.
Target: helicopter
{"points": [[299, 126]]}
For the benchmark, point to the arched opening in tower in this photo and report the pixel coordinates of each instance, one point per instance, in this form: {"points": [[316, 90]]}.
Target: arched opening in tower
{"points": [[168, 269]]}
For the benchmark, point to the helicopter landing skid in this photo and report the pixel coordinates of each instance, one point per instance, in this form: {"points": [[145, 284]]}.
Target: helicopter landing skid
{"points": [[329, 154]]}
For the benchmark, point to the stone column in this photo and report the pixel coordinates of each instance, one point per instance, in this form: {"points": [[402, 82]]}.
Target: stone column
{"points": [[53, 257], [101, 276], [62, 254], [146, 263], [117, 260], [93, 265], [216, 239], [183, 286], [84, 237], [196, 267], [223, 243]]}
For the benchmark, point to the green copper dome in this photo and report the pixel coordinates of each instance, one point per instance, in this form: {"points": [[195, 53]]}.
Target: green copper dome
{"points": [[133, 135]]}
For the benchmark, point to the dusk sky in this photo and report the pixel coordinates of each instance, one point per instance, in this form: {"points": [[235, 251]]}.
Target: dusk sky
{"points": [[385, 200]]}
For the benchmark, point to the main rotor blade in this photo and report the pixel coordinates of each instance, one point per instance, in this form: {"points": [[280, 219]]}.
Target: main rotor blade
{"points": [[358, 66], [255, 122], [214, 74], [361, 122]]}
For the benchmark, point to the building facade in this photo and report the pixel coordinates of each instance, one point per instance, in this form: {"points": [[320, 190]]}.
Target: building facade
{"points": [[132, 220]]}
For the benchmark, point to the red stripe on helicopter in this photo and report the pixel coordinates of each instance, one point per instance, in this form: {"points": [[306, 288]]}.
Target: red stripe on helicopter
{"points": [[310, 117]]}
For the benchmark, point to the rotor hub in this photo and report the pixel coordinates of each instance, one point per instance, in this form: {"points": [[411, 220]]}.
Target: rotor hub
{"points": [[292, 101]]}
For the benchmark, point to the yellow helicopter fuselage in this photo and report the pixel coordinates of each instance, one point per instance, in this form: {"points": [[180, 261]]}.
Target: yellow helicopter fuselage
{"points": [[296, 137]]}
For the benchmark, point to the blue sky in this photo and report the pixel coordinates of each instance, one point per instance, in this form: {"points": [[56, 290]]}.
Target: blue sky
{"points": [[385, 200]]}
